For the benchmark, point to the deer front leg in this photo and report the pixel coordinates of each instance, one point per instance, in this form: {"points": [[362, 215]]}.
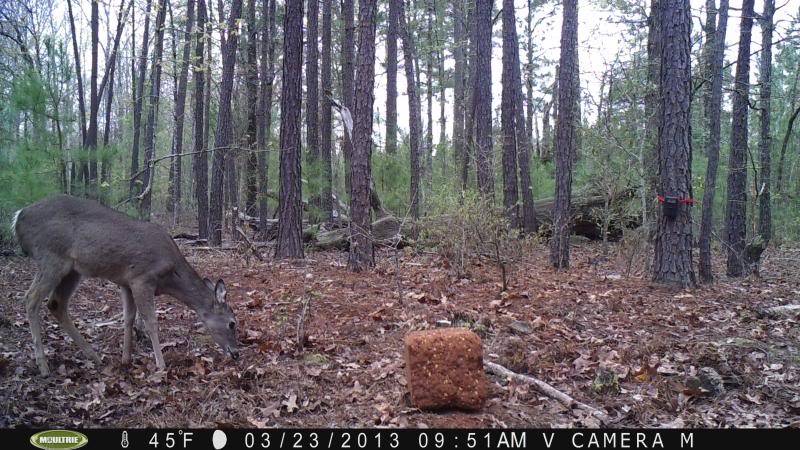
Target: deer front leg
{"points": [[143, 297], [129, 316]]}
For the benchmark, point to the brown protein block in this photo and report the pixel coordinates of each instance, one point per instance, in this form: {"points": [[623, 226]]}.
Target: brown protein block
{"points": [[444, 369]]}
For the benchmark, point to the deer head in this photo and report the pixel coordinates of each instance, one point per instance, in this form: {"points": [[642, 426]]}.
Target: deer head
{"points": [[218, 317]]}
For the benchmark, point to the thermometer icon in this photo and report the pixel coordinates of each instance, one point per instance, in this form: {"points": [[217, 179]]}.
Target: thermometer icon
{"points": [[124, 443]]}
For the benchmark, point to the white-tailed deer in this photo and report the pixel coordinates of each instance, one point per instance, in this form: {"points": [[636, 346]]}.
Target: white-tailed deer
{"points": [[71, 238]]}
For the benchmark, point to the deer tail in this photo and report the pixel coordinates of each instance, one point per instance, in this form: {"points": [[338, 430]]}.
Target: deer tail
{"points": [[14, 220]]}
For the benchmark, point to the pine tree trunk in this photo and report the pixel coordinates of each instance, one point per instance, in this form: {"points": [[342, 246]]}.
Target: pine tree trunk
{"points": [[391, 78], [348, 75], [312, 94], [200, 157], [138, 99], [94, 105], [736, 208], [290, 214], [223, 136], [483, 97], [148, 174], [180, 110], [673, 242], [415, 111], [713, 144], [565, 139], [326, 118], [765, 142], [508, 116], [361, 255], [652, 104], [251, 162], [459, 88], [265, 109]]}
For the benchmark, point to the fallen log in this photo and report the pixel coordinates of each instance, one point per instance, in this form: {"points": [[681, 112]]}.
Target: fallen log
{"points": [[547, 390], [587, 211], [388, 231]]}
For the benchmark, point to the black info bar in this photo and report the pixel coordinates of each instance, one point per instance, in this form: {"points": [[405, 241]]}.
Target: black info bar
{"points": [[387, 438]]}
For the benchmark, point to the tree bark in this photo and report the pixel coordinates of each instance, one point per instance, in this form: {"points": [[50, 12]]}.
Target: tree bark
{"points": [[673, 242], [200, 157], [459, 88], [264, 119], [223, 137], [483, 97], [361, 256], [348, 76], [652, 103], [251, 77], [180, 109], [138, 99], [78, 73], [290, 215], [326, 118], [415, 111], [391, 78], [736, 208], [765, 142], [94, 103], [565, 139], [713, 144], [312, 94], [508, 116], [148, 172], [793, 111]]}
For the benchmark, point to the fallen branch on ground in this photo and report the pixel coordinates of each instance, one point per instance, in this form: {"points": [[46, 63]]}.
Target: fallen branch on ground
{"points": [[547, 390]]}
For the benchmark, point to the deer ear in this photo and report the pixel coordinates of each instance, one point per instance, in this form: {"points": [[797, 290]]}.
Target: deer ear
{"points": [[209, 283], [220, 291]]}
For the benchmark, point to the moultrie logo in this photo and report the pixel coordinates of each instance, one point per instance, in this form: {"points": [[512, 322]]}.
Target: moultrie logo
{"points": [[59, 440]]}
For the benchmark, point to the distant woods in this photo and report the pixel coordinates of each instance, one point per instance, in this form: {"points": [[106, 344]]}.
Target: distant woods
{"points": [[275, 121]]}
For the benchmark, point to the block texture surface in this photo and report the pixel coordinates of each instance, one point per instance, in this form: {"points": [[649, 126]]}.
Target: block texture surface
{"points": [[444, 369]]}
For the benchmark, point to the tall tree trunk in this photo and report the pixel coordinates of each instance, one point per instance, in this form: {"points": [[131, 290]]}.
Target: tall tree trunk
{"points": [[152, 114], [312, 94], [508, 116], [200, 157], [251, 161], [713, 144], [765, 143], [524, 147], [470, 152], [94, 104], [108, 80], [290, 218], [348, 76], [224, 133], [78, 73], [709, 28], [361, 249], [391, 78], [672, 261], [565, 139], [483, 97], [429, 97], [652, 103], [138, 99], [180, 108], [736, 208], [459, 88], [415, 111], [267, 76], [326, 119]]}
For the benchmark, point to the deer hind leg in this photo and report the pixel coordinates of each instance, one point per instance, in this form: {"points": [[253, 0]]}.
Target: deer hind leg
{"points": [[58, 305], [129, 315], [143, 298], [43, 284]]}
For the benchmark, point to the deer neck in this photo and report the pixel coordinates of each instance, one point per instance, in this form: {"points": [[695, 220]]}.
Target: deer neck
{"points": [[186, 285]]}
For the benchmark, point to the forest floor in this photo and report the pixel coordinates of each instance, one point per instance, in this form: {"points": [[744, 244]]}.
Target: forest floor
{"points": [[562, 327]]}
